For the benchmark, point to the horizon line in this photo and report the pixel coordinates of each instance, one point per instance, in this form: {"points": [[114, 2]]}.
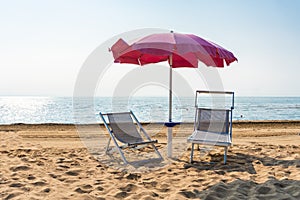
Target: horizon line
{"points": [[108, 96]]}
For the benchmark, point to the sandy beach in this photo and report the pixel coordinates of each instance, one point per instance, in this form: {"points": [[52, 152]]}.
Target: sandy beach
{"points": [[54, 161]]}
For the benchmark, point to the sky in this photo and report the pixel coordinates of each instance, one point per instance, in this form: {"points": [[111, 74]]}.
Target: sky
{"points": [[43, 44]]}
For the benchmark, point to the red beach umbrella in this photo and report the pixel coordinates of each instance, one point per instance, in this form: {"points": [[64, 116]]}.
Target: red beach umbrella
{"points": [[180, 50]]}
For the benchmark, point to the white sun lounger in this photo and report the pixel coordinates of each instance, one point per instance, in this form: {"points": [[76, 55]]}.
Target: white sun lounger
{"points": [[212, 126]]}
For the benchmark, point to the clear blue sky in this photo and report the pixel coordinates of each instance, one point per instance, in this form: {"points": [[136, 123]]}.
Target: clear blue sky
{"points": [[43, 44]]}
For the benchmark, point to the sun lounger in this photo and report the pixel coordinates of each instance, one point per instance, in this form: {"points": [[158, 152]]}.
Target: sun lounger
{"points": [[124, 133], [212, 126]]}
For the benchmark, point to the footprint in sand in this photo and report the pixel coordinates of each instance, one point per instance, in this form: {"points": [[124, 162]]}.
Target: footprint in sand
{"points": [[129, 188], [87, 186], [73, 172], [40, 163], [293, 190], [31, 177], [60, 160], [62, 179], [40, 183], [53, 175], [98, 182], [84, 189], [133, 176], [121, 195], [64, 166], [18, 185], [149, 184], [46, 190], [4, 180], [126, 191], [12, 195], [221, 191], [20, 168], [187, 194], [100, 188], [164, 188]]}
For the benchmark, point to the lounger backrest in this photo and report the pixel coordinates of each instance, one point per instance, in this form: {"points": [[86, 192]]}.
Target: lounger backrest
{"points": [[213, 120], [123, 128]]}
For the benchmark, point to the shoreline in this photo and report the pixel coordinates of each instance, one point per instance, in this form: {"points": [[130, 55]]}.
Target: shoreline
{"points": [[158, 123]]}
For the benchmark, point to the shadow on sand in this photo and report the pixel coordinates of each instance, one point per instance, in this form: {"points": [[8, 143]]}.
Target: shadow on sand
{"points": [[238, 162], [243, 189]]}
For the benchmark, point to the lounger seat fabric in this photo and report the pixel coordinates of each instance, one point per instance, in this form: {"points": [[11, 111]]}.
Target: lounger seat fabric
{"points": [[209, 138]]}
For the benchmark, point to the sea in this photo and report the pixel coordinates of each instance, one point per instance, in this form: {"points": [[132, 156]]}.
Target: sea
{"points": [[84, 110]]}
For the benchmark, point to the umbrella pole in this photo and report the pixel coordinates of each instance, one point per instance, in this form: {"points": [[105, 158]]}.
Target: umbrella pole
{"points": [[169, 146]]}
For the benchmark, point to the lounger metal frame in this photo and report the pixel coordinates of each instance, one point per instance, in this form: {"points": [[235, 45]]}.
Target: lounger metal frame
{"points": [[229, 124], [128, 145]]}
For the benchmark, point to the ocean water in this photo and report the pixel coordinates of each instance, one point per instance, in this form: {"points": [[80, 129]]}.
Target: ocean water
{"points": [[36, 110]]}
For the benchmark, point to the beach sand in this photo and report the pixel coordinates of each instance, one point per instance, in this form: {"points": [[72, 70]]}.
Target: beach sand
{"points": [[51, 161]]}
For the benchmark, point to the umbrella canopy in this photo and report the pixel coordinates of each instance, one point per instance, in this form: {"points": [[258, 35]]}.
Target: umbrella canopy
{"points": [[180, 50], [185, 49]]}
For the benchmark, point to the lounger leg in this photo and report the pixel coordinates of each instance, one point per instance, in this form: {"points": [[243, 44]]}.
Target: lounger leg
{"points": [[192, 153], [225, 154], [157, 152], [107, 147], [120, 151], [123, 157]]}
